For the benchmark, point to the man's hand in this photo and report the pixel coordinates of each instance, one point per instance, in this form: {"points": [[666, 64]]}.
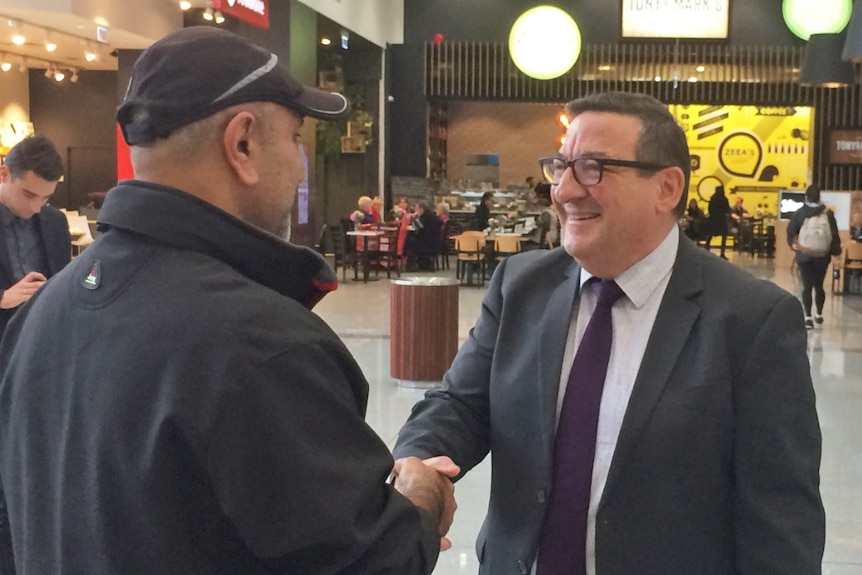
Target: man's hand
{"points": [[22, 291], [427, 485]]}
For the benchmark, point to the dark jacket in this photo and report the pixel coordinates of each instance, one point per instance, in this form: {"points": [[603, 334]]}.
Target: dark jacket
{"points": [[795, 224], [54, 230], [719, 210], [480, 218], [201, 418], [724, 386]]}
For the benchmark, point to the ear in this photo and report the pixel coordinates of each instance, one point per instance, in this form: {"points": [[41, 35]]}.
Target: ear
{"points": [[5, 174], [241, 149], [671, 187]]}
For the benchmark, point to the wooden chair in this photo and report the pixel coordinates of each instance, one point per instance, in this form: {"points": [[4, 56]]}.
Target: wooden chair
{"points": [[852, 265], [470, 257], [387, 253], [344, 252]]}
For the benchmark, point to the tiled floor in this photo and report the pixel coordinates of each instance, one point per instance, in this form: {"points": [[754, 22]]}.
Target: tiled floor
{"points": [[359, 313]]}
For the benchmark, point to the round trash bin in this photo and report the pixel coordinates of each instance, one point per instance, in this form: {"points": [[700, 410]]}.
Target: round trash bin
{"points": [[423, 329]]}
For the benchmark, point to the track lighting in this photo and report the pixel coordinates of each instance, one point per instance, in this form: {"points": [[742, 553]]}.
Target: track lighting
{"points": [[17, 34], [208, 14], [90, 54], [74, 77], [59, 75], [50, 45], [5, 66], [219, 17]]}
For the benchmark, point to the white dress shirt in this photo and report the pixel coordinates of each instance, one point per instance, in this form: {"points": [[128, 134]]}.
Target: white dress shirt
{"points": [[632, 317]]}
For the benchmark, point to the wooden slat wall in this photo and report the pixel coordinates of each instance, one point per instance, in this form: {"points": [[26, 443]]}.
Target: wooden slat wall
{"points": [[754, 75]]}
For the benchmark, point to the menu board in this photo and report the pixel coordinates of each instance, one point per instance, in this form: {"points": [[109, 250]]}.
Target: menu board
{"points": [[675, 18]]}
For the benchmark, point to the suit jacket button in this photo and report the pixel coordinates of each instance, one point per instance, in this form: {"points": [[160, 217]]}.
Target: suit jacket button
{"points": [[540, 496], [522, 566]]}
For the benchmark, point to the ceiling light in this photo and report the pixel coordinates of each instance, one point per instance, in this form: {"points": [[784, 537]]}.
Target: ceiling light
{"points": [[74, 77], [17, 35], [90, 54], [325, 41], [5, 66], [50, 45], [59, 75], [49, 72], [700, 68], [219, 17], [185, 5], [208, 14]]}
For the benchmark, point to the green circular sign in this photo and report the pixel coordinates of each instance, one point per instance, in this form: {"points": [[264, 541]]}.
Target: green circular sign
{"points": [[807, 17], [544, 42]]}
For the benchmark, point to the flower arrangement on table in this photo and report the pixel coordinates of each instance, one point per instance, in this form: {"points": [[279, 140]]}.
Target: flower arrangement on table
{"points": [[498, 222], [357, 216]]}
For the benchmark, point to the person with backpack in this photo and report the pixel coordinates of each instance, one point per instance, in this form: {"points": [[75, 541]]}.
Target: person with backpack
{"points": [[813, 234]]}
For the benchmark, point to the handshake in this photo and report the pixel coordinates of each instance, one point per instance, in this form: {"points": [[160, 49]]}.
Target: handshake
{"points": [[427, 483]]}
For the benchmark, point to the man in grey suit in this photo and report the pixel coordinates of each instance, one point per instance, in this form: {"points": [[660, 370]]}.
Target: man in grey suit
{"points": [[705, 449]]}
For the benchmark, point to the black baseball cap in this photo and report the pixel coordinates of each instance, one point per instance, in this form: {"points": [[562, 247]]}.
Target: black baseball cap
{"points": [[195, 72]]}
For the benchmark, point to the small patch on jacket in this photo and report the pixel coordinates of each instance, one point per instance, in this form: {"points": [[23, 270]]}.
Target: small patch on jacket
{"points": [[94, 276]]}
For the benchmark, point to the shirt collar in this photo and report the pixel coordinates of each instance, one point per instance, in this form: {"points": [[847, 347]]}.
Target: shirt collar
{"points": [[640, 280]]}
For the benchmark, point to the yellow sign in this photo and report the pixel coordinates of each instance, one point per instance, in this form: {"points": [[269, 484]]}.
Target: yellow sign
{"points": [[753, 151]]}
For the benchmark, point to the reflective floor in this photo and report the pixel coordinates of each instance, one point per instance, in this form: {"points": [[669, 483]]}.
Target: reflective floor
{"points": [[359, 313]]}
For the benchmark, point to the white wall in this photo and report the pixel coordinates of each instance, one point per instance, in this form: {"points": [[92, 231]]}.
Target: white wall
{"points": [[378, 21]]}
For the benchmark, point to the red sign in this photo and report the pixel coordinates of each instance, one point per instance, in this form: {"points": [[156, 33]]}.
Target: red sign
{"points": [[255, 12]]}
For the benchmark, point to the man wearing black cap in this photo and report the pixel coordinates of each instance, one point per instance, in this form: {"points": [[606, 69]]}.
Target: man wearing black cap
{"points": [[172, 405]]}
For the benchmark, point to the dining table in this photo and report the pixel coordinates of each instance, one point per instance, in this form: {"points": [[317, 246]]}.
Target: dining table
{"points": [[366, 254]]}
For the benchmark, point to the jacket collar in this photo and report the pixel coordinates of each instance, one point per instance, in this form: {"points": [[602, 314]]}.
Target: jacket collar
{"points": [[184, 221]]}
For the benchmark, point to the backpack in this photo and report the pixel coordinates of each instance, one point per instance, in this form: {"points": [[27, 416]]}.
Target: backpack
{"points": [[815, 235]]}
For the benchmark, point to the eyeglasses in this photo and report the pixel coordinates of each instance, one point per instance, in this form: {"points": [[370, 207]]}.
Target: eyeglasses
{"points": [[588, 171]]}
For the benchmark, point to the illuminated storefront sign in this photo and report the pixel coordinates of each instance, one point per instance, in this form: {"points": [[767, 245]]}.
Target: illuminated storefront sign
{"points": [[675, 18], [845, 147], [255, 12], [753, 151]]}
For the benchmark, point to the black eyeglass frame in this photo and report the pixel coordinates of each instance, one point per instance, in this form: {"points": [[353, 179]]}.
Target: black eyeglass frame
{"points": [[600, 162]]}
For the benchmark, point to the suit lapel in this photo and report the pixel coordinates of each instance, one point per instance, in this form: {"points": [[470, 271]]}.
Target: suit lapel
{"points": [[673, 324], [5, 264], [555, 324]]}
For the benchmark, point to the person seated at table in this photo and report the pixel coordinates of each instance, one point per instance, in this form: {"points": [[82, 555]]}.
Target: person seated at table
{"points": [[694, 221], [364, 203], [377, 209], [483, 212], [445, 227], [424, 242], [740, 221], [856, 226], [547, 224]]}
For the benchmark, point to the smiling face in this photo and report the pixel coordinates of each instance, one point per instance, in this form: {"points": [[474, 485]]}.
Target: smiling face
{"points": [[609, 226], [26, 195]]}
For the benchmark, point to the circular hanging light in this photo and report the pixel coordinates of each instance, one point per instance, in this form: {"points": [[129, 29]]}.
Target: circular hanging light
{"points": [[807, 17], [544, 42]]}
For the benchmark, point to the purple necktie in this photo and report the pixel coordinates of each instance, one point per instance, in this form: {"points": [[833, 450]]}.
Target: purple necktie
{"points": [[562, 547]]}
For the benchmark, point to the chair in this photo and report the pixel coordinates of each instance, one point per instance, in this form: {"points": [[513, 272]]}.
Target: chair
{"points": [[853, 268], [447, 246], [79, 225], [324, 242], [470, 257], [504, 246], [388, 256], [344, 252]]}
